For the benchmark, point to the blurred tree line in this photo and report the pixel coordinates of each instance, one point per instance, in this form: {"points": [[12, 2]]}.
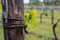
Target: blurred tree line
{"points": [[41, 3], [57, 2]]}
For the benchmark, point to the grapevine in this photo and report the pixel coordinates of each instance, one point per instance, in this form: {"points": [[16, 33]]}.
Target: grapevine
{"points": [[31, 19]]}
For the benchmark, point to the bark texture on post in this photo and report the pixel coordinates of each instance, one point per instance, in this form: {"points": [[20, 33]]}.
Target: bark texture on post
{"points": [[13, 19]]}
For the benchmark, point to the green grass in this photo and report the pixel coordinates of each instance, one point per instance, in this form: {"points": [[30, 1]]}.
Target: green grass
{"points": [[45, 29], [1, 34]]}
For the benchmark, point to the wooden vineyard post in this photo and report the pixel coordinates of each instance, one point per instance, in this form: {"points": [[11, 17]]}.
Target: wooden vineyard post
{"points": [[52, 19], [52, 11], [41, 19], [13, 19]]}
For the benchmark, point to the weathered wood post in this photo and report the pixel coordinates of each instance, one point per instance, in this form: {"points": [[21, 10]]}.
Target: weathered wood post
{"points": [[13, 19]]}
